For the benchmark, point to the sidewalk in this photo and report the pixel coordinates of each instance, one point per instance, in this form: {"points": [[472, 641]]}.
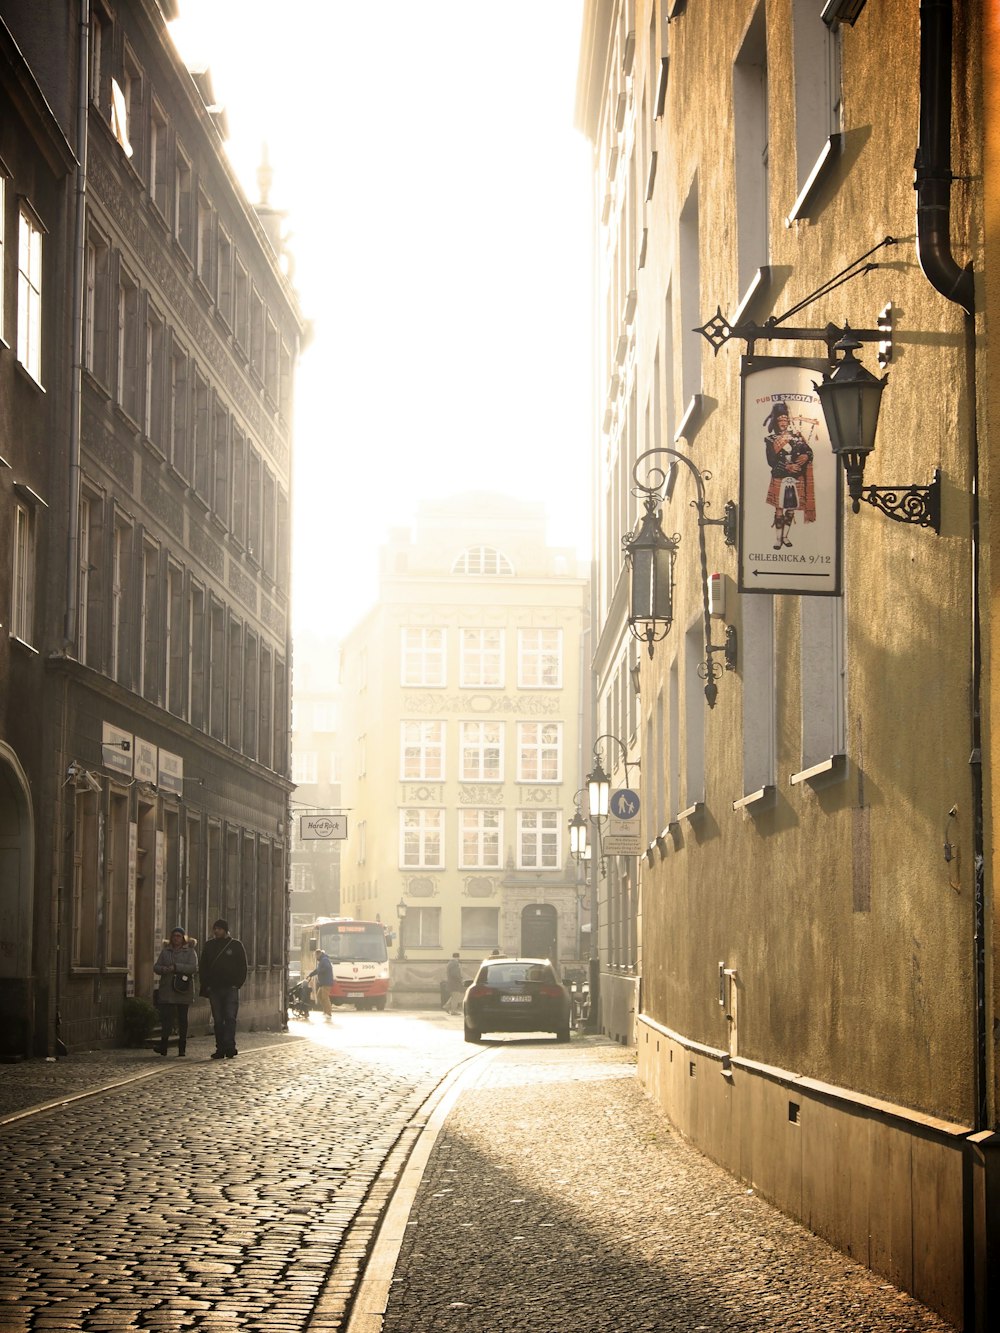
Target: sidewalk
{"points": [[28, 1083], [558, 1200]]}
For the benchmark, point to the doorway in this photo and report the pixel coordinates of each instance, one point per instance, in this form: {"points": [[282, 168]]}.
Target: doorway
{"points": [[540, 932]]}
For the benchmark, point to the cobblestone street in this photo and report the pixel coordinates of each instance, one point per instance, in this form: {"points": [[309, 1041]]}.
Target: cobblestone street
{"points": [[242, 1196]]}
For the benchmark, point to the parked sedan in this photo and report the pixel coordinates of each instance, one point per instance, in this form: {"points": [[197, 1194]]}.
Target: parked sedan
{"points": [[516, 995]]}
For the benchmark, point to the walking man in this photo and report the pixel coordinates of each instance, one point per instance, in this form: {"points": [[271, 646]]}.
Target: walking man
{"points": [[223, 972], [456, 985], [323, 972]]}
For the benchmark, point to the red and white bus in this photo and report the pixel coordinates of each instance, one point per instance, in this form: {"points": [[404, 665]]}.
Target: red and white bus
{"points": [[359, 955]]}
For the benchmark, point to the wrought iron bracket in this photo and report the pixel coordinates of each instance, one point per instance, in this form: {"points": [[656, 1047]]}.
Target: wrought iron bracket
{"points": [[729, 523], [919, 505], [727, 649]]}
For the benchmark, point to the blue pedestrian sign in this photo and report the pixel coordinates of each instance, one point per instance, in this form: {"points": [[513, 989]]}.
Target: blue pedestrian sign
{"points": [[623, 837]]}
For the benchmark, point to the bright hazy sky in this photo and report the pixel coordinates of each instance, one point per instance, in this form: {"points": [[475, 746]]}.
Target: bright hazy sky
{"points": [[438, 201]]}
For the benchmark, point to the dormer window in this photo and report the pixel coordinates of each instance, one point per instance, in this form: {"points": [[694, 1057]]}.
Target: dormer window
{"points": [[482, 560]]}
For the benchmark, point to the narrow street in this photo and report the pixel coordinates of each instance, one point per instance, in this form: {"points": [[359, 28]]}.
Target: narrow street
{"points": [[543, 1192]]}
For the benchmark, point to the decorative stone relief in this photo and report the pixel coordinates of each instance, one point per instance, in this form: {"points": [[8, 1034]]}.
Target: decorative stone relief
{"points": [[527, 705], [101, 444], [421, 887], [272, 617], [208, 552], [538, 795], [423, 792], [479, 886], [470, 794]]}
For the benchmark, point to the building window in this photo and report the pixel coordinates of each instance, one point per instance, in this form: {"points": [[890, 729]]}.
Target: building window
{"points": [[241, 303], [538, 839], [421, 756], [239, 487], [482, 659], [757, 665], [159, 171], [206, 244], [750, 109], [362, 841], [824, 674], [116, 867], [482, 751], [183, 222], [689, 263], [480, 927], [539, 751], [83, 940], [253, 505], [197, 657], [128, 346], [119, 117], [96, 297], [818, 96], [362, 756], [180, 411], [91, 567], [539, 659], [121, 555], [305, 766], [202, 460], [482, 560], [217, 674], [22, 613], [422, 928], [421, 839], [224, 298], [423, 656], [302, 877], [176, 656], [220, 455], [149, 637], [156, 345], [29, 295], [480, 837]]}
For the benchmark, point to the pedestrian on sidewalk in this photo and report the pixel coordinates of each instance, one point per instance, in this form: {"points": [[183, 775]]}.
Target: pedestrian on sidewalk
{"points": [[223, 972], [323, 972], [176, 967], [455, 983]]}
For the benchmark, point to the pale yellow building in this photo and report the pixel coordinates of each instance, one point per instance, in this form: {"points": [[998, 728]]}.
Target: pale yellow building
{"points": [[816, 904], [461, 742]]}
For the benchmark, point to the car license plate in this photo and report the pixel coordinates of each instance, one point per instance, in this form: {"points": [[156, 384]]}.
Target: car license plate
{"points": [[515, 999], [355, 995]]}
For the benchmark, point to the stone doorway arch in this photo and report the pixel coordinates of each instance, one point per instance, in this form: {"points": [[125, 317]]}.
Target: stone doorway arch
{"points": [[17, 904], [540, 931]]}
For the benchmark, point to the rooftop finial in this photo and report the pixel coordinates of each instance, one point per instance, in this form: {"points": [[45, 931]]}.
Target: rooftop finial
{"points": [[264, 176]]}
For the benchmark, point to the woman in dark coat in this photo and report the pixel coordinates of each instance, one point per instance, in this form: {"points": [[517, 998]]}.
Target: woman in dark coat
{"points": [[176, 967]]}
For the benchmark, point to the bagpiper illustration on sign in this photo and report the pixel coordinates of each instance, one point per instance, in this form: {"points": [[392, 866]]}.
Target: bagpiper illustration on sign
{"points": [[790, 510]]}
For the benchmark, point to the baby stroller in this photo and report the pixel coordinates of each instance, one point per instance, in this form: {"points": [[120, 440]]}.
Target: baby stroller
{"points": [[299, 999]]}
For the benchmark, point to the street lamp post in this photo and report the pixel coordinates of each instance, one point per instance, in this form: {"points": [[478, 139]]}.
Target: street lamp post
{"points": [[401, 915]]}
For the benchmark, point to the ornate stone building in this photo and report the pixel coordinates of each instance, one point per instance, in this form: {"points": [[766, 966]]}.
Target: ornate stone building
{"points": [[160, 759], [462, 740]]}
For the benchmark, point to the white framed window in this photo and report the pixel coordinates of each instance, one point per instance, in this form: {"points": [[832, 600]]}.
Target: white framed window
{"points": [[540, 659], [302, 877], [824, 679], [539, 751], [482, 659], [421, 751], [480, 927], [539, 836], [305, 766], [480, 839], [29, 295], [482, 560], [751, 136], [422, 655], [818, 93], [481, 746], [421, 839], [22, 613]]}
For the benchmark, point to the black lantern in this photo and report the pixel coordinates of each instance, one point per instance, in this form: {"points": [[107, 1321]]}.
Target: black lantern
{"points": [[598, 790], [650, 555], [851, 397], [578, 836]]}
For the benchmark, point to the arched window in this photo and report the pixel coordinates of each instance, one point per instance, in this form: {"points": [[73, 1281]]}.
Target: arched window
{"points": [[482, 560]]}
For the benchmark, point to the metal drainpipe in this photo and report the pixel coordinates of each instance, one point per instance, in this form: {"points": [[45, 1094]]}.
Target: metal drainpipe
{"points": [[76, 381], [933, 180]]}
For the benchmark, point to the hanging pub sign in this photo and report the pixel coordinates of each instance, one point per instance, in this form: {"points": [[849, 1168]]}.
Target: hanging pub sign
{"points": [[790, 482]]}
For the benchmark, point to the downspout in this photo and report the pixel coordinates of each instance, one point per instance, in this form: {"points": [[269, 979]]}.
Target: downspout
{"points": [[76, 380], [933, 179]]}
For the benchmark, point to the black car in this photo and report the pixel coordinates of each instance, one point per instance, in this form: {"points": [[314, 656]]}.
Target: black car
{"points": [[516, 995]]}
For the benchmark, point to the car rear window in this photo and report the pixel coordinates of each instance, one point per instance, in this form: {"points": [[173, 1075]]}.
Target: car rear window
{"points": [[507, 974]]}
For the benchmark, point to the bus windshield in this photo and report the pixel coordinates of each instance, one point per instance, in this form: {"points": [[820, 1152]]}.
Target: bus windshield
{"points": [[353, 941]]}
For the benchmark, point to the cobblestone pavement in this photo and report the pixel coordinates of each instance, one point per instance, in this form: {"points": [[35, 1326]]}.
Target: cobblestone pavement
{"points": [[211, 1195], [558, 1200]]}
